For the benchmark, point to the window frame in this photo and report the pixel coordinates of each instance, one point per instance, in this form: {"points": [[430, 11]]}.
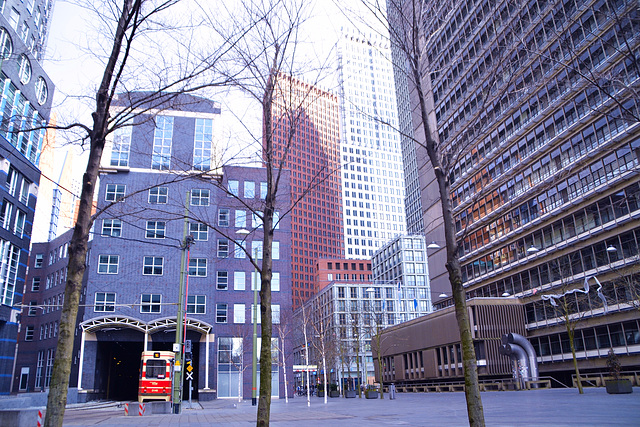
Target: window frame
{"points": [[107, 305], [152, 265], [114, 192], [156, 193], [112, 260], [153, 305]]}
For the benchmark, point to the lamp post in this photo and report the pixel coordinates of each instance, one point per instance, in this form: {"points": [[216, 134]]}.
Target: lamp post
{"points": [[254, 316]]}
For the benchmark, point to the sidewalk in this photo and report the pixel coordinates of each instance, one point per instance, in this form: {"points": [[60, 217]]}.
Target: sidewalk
{"points": [[556, 407]]}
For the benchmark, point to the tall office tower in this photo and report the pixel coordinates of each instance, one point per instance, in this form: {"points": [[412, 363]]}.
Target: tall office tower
{"points": [[370, 148], [538, 101], [305, 123], [26, 94]]}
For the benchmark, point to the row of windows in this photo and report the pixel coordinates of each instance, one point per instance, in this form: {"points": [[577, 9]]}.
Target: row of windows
{"points": [[607, 209], [47, 331], [196, 304], [576, 263], [601, 338]]}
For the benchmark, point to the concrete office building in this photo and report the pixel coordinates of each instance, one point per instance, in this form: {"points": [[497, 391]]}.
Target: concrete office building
{"points": [[26, 102], [370, 148], [547, 194]]}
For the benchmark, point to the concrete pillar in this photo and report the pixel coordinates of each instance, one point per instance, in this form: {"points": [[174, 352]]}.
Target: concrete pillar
{"points": [[81, 361]]}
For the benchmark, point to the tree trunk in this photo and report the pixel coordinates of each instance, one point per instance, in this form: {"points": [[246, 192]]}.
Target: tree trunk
{"points": [[571, 333]]}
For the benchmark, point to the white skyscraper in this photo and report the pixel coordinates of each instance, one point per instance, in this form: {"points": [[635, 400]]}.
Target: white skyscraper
{"points": [[370, 149]]}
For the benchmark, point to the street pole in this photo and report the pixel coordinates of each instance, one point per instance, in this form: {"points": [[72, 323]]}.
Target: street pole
{"points": [[178, 347], [254, 367]]}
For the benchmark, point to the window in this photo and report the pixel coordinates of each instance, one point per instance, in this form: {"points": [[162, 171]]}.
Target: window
{"points": [[239, 313], [223, 248], [38, 261], [263, 190], [105, 301], [21, 219], [14, 18], [24, 32], [202, 144], [152, 266], [114, 192], [275, 250], [155, 229], [24, 69], [249, 190], [256, 219], [33, 308], [108, 264], [196, 304], [6, 46], [256, 249], [239, 280], [199, 231], [199, 197], [222, 280], [221, 313], [35, 284], [42, 92], [275, 313], [158, 195], [121, 145], [275, 281], [111, 227], [150, 303], [238, 251], [223, 217], [163, 134], [233, 187], [241, 219], [28, 333], [198, 267]]}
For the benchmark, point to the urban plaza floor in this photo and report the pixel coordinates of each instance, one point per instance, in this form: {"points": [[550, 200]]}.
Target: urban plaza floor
{"points": [[555, 407]]}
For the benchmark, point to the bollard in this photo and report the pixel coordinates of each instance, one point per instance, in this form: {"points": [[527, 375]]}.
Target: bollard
{"points": [[126, 409], [39, 418], [141, 409]]}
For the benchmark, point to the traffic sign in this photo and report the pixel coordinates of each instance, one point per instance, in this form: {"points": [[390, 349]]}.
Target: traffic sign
{"points": [[187, 346]]}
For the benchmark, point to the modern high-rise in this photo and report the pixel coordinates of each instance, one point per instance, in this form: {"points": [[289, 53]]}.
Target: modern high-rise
{"points": [[373, 185], [542, 98], [25, 104], [306, 136]]}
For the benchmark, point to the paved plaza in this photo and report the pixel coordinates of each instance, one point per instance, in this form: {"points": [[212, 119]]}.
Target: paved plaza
{"points": [[556, 407]]}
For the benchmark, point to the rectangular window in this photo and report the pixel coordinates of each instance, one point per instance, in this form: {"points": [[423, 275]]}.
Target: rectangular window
{"points": [[256, 280], [108, 264], [196, 304], [199, 231], [222, 280], [51, 354], [14, 18], [150, 303], [241, 219], [263, 190], [33, 308], [35, 284], [155, 230], [158, 195], [238, 313], [275, 313], [223, 248], [239, 280], [114, 192], [198, 267], [233, 187], [275, 282], [221, 313], [275, 250], [112, 227], [256, 249], [121, 145], [152, 266], [199, 197], [223, 217], [28, 333], [38, 261], [238, 251], [163, 134], [202, 145], [21, 219], [105, 301], [256, 219], [249, 190]]}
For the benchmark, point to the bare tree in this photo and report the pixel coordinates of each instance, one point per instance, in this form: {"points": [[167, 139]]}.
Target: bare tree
{"points": [[284, 328], [129, 24]]}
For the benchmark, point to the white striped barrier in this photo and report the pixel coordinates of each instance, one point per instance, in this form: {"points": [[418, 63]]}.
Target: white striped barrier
{"points": [[141, 409], [39, 418], [126, 409]]}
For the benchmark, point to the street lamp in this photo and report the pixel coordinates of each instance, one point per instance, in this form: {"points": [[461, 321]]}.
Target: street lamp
{"points": [[433, 245], [254, 313]]}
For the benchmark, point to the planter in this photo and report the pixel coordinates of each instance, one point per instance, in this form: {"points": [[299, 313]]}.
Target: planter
{"points": [[371, 394], [350, 394], [320, 394], [334, 393], [622, 386]]}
